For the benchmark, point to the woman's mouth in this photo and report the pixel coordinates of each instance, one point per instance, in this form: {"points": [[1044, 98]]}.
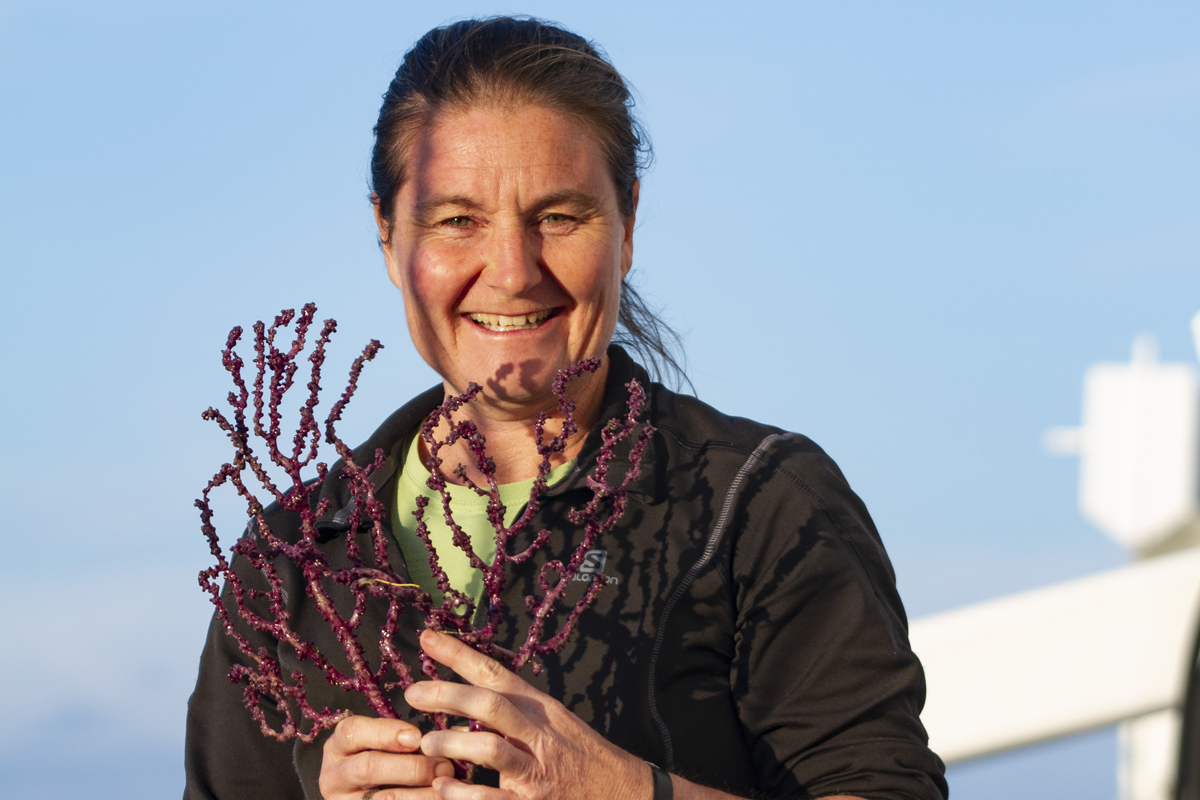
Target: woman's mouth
{"points": [[520, 322]]}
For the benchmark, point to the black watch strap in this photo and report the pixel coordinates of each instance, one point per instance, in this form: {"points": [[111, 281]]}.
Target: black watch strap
{"points": [[663, 790]]}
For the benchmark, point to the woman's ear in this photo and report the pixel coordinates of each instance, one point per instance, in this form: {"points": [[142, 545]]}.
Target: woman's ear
{"points": [[627, 241], [380, 223], [385, 241]]}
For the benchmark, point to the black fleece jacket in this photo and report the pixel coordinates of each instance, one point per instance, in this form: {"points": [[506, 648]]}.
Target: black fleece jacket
{"points": [[750, 636]]}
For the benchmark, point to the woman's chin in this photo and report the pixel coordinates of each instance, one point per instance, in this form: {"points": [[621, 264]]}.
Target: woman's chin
{"points": [[522, 383], [516, 369]]}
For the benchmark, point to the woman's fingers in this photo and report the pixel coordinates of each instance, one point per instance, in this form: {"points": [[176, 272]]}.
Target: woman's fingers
{"points": [[453, 789], [349, 778], [366, 752], [496, 697], [472, 665], [372, 768], [354, 734], [489, 750], [396, 793], [489, 707]]}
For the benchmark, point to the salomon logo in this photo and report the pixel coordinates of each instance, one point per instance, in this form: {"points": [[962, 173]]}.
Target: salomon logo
{"points": [[593, 564], [593, 561]]}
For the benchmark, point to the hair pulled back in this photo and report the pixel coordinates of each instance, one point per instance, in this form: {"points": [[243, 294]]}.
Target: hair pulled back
{"points": [[503, 61]]}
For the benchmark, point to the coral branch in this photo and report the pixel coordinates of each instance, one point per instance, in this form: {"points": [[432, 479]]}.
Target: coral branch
{"points": [[256, 601]]}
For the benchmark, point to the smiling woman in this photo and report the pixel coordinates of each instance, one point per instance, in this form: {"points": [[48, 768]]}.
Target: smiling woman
{"points": [[509, 246], [752, 641]]}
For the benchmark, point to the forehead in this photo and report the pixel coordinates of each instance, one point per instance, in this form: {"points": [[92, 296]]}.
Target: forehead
{"points": [[525, 150]]}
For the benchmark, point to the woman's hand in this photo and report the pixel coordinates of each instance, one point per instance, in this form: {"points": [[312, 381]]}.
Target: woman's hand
{"points": [[541, 750], [366, 752]]}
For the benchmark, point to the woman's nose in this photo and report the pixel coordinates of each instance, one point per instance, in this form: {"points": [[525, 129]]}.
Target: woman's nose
{"points": [[514, 261]]}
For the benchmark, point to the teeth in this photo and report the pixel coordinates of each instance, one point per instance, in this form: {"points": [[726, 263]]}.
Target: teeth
{"points": [[500, 322]]}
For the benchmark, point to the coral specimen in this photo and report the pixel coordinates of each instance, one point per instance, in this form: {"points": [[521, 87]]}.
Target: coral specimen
{"points": [[253, 428]]}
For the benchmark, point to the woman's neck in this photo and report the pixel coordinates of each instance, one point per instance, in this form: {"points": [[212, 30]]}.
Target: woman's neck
{"points": [[509, 432]]}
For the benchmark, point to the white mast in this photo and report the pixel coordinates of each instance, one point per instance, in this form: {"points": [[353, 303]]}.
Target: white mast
{"points": [[1114, 647]]}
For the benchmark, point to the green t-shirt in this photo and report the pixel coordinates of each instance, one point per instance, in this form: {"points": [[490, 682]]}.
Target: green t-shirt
{"points": [[470, 512]]}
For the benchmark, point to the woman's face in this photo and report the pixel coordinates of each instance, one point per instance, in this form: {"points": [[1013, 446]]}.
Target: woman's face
{"points": [[509, 248]]}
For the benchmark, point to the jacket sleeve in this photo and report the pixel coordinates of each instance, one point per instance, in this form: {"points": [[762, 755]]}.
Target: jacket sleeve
{"points": [[826, 685], [227, 757]]}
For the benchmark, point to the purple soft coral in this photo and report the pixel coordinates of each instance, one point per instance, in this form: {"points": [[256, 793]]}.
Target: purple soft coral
{"points": [[261, 549]]}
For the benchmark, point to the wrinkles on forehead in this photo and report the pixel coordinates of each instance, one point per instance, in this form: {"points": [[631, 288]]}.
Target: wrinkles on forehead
{"points": [[465, 162]]}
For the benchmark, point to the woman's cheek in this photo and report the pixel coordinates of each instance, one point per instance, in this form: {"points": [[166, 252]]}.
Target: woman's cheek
{"points": [[437, 281], [588, 274]]}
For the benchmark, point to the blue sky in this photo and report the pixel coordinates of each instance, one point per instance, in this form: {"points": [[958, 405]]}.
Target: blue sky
{"points": [[902, 229]]}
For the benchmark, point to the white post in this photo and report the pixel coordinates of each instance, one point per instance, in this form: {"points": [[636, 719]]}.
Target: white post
{"points": [[1147, 756], [1114, 647], [1140, 453]]}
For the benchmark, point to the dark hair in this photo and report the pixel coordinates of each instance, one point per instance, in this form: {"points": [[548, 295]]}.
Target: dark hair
{"points": [[509, 60]]}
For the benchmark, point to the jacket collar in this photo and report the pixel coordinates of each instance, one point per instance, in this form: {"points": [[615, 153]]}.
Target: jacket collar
{"points": [[390, 437], [621, 370]]}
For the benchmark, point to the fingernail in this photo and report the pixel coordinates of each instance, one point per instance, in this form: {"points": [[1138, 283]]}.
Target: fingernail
{"points": [[444, 770], [409, 738]]}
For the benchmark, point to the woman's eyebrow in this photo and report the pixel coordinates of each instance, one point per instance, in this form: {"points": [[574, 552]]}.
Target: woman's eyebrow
{"points": [[428, 206], [568, 197]]}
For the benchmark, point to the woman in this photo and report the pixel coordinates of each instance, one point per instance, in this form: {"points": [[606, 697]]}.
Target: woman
{"points": [[751, 638]]}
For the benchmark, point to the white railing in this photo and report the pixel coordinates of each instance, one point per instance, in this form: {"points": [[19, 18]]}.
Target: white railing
{"points": [[1061, 659]]}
